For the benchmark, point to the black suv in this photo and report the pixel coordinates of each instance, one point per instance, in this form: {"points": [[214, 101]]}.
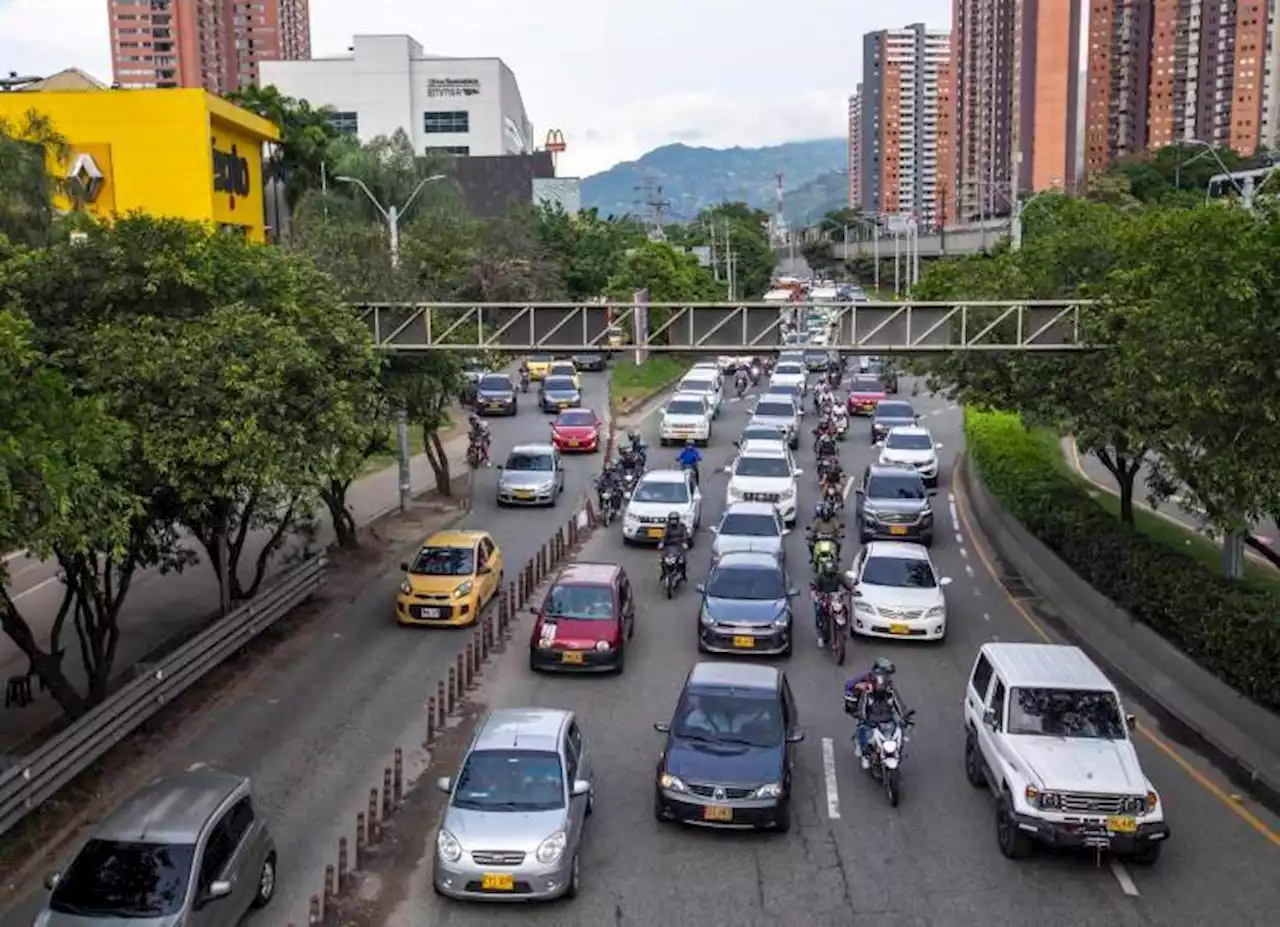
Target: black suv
{"points": [[730, 753], [891, 413], [894, 505]]}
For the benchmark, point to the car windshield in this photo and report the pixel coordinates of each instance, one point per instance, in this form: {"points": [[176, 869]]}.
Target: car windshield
{"points": [[444, 561], [895, 486], [775, 467], [510, 780], [125, 880], [741, 524], [563, 370], [662, 491], [559, 385], [530, 463], [748, 717], [762, 433], [866, 385], [756, 583], [899, 573], [574, 418], [789, 370], [587, 603], [686, 407], [895, 410], [775, 410], [909, 442], [1065, 713], [816, 357], [496, 384], [698, 386], [540, 359]]}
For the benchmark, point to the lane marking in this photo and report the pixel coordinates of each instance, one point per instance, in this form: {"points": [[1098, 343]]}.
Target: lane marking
{"points": [[968, 568], [959, 538], [829, 776], [1123, 877], [194, 766], [848, 487], [1155, 739], [36, 588], [9, 558], [963, 553]]}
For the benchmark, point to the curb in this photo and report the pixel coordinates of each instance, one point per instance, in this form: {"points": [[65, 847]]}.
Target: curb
{"points": [[1162, 678]]}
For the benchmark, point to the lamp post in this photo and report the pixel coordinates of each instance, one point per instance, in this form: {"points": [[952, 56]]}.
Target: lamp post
{"points": [[1015, 220]]}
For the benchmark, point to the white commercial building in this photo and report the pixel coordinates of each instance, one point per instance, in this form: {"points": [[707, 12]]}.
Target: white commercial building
{"points": [[462, 106]]}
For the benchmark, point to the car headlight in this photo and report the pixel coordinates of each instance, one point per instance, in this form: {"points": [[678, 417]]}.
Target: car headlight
{"points": [[782, 620], [706, 619], [463, 590], [1135, 804], [788, 493], [405, 588], [552, 848], [448, 847], [772, 790], [927, 514], [860, 605], [1049, 801], [547, 486], [671, 783], [938, 611], [602, 646]]}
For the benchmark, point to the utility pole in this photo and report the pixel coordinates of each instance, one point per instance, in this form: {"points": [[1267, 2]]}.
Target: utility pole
{"points": [[728, 257], [715, 264]]}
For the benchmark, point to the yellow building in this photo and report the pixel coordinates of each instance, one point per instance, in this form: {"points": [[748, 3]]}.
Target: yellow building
{"points": [[181, 153]]}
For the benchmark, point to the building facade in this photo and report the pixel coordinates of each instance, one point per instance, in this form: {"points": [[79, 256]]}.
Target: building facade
{"points": [[899, 123], [459, 106], [855, 149], [185, 154], [216, 45]]}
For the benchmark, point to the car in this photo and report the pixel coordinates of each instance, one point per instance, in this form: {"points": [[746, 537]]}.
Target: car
{"points": [[556, 393], [532, 475], [894, 504], [791, 356], [706, 385], [765, 472], [897, 592], [865, 392], [729, 756], [891, 413], [778, 412], [585, 620], [746, 606], [657, 495], [793, 392], [708, 368], [763, 432], [516, 812], [539, 365], [564, 368], [474, 371], [912, 446], [576, 430], [686, 416], [450, 580], [593, 361], [775, 443], [1046, 733], [496, 393], [816, 360], [789, 373], [749, 526]]}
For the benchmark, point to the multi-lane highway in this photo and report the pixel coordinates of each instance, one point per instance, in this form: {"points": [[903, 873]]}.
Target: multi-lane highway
{"points": [[849, 858], [314, 726]]}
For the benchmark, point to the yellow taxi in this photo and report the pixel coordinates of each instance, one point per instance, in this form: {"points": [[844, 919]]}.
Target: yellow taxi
{"points": [[566, 369], [539, 366], [450, 580]]}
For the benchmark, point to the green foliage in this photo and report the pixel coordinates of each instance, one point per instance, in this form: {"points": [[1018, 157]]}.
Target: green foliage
{"points": [[746, 230], [632, 381], [837, 223], [1229, 629], [26, 186], [588, 250]]}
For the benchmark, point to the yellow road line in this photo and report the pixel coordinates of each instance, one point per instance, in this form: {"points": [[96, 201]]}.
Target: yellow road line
{"points": [[978, 545]]}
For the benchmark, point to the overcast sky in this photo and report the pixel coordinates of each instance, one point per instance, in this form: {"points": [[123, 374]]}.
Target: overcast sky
{"points": [[619, 77]]}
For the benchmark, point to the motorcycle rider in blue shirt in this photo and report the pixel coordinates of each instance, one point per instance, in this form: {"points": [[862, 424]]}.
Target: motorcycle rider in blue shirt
{"points": [[689, 457]]}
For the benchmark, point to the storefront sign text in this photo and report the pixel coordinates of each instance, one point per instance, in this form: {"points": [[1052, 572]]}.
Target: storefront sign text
{"points": [[453, 87], [230, 173]]}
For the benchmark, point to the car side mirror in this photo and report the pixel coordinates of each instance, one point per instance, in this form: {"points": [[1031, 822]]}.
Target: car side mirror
{"points": [[795, 736], [662, 727], [52, 879], [945, 581], [859, 492], [932, 493], [701, 587], [792, 592], [216, 890], [500, 467], [1131, 721], [880, 444], [938, 446], [989, 718], [445, 784], [581, 787], [799, 473], [404, 567]]}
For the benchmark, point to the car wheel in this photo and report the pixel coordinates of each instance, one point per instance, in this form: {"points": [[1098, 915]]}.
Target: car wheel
{"points": [[571, 890], [1014, 844], [928, 540], [659, 813], [782, 817], [973, 763], [621, 664], [266, 883], [1149, 855]]}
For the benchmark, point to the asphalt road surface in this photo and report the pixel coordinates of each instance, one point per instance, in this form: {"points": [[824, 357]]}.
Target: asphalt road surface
{"points": [[314, 730], [850, 859]]}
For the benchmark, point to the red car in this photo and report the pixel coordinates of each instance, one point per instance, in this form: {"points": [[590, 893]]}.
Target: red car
{"points": [[577, 430], [586, 620], [864, 393]]}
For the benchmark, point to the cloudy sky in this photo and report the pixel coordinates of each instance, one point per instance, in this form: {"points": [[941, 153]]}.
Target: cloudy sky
{"points": [[619, 77]]}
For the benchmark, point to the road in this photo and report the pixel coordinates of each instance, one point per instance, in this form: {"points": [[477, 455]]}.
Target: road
{"points": [[314, 729], [932, 862]]}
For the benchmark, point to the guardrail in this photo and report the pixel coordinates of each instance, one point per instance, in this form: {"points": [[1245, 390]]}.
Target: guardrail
{"points": [[40, 774]]}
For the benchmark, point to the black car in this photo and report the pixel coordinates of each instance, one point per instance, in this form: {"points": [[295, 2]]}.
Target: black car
{"points": [[891, 413], [589, 361], [894, 504], [746, 606], [556, 393], [729, 755], [496, 395]]}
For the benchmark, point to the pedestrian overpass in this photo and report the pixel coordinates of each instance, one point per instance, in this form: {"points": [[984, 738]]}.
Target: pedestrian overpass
{"points": [[732, 328]]}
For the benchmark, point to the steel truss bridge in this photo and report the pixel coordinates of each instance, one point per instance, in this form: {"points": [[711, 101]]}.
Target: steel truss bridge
{"points": [[885, 328]]}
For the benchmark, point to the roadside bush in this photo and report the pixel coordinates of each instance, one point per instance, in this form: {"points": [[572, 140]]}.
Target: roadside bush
{"points": [[1229, 629]]}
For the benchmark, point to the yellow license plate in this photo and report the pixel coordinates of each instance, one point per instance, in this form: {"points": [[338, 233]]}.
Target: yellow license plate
{"points": [[717, 813], [571, 656], [497, 882], [565, 403], [899, 629], [571, 443], [495, 405], [747, 642], [656, 532], [1122, 825], [523, 494], [898, 530]]}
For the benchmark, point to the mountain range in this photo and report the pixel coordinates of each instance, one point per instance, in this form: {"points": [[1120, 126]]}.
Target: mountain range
{"points": [[689, 179]]}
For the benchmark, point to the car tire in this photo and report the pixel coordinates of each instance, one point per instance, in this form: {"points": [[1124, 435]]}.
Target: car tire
{"points": [[575, 879], [621, 664], [927, 540], [1013, 843], [1148, 856], [266, 882], [973, 762], [782, 818], [659, 814]]}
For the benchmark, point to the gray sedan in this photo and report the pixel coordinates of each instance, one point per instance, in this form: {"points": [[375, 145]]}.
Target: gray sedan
{"points": [[532, 475], [750, 526]]}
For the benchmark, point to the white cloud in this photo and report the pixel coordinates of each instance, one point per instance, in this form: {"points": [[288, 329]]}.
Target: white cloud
{"points": [[617, 76]]}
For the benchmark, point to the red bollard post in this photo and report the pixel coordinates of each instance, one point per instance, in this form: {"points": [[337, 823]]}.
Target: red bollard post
{"points": [[442, 707], [344, 871], [397, 781], [386, 793], [313, 914], [361, 841]]}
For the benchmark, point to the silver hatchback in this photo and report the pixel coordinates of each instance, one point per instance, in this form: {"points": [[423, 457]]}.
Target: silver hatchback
{"points": [[188, 849], [513, 826], [532, 475]]}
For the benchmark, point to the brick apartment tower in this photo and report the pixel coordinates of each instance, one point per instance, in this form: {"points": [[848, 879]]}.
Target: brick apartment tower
{"points": [[1164, 71], [214, 44], [855, 149]]}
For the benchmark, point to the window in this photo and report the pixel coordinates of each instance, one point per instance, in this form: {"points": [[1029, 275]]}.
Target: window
{"points": [[450, 123], [444, 561], [510, 780], [460, 151], [997, 704], [981, 676], [125, 880], [686, 407], [764, 467], [580, 603], [346, 123], [239, 820]]}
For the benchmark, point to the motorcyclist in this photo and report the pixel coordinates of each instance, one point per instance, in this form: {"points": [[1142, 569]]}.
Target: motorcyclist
{"points": [[825, 445], [755, 370], [876, 701], [741, 380], [825, 525], [676, 537], [689, 457], [835, 370], [629, 463], [637, 446], [607, 482], [524, 376], [823, 584], [478, 435]]}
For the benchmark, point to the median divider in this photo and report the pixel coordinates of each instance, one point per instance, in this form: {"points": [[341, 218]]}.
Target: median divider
{"points": [[39, 775]]}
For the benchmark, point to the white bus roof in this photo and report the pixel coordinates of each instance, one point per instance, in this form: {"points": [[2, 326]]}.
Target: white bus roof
{"points": [[778, 296]]}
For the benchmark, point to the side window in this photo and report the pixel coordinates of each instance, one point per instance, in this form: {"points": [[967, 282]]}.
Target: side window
{"points": [[997, 704], [239, 820], [981, 676], [217, 852], [624, 595], [572, 753], [789, 714], [482, 556]]}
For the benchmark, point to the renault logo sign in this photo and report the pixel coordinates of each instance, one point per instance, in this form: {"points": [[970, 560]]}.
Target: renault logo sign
{"points": [[85, 178]]}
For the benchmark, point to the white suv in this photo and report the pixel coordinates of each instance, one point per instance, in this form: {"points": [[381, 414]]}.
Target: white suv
{"points": [[1046, 732], [685, 417], [764, 471], [912, 446], [707, 384]]}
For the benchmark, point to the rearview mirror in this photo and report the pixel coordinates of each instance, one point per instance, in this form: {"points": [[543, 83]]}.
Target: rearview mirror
{"points": [[404, 568], [799, 472], [938, 446], [701, 587], [1131, 721], [662, 727], [932, 493], [945, 581], [581, 787], [500, 467], [216, 890], [445, 784], [52, 879], [795, 736], [793, 592], [880, 443]]}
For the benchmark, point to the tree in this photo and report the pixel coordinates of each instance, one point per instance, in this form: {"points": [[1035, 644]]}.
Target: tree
{"points": [[26, 186], [589, 250], [424, 385], [745, 231]]}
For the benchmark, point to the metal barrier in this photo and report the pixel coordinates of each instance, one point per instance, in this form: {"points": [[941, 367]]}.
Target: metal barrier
{"points": [[40, 774]]}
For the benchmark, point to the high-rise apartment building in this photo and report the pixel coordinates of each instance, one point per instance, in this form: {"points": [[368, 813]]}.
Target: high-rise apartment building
{"points": [[855, 149], [903, 71], [214, 44], [1164, 71]]}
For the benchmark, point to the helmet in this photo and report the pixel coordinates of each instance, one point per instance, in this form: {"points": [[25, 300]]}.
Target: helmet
{"points": [[689, 442], [883, 667], [626, 452], [473, 421], [673, 519], [633, 436], [826, 510]]}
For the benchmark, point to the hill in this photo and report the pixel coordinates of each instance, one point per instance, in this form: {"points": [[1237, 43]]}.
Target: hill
{"points": [[809, 202], [695, 178]]}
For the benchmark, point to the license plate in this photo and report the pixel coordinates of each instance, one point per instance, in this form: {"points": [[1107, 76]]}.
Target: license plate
{"points": [[717, 813], [898, 530], [899, 629], [744, 641], [424, 612], [497, 882], [571, 656], [495, 405], [564, 404], [656, 532], [1122, 825], [523, 494]]}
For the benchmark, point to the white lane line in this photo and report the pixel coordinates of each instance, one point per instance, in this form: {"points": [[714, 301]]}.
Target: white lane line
{"points": [[829, 775], [36, 588], [194, 766], [986, 617], [968, 568], [960, 540], [9, 558], [963, 553], [848, 487], [1123, 877]]}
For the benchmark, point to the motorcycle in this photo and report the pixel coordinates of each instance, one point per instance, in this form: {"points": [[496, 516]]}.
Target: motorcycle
{"points": [[825, 555], [740, 384], [671, 577], [825, 446], [755, 374], [610, 504], [837, 631], [524, 381], [477, 453], [641, 451], [628, 483], [693, 468], [885, 753], [833, 378], [834, 494], [841, 420]]}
